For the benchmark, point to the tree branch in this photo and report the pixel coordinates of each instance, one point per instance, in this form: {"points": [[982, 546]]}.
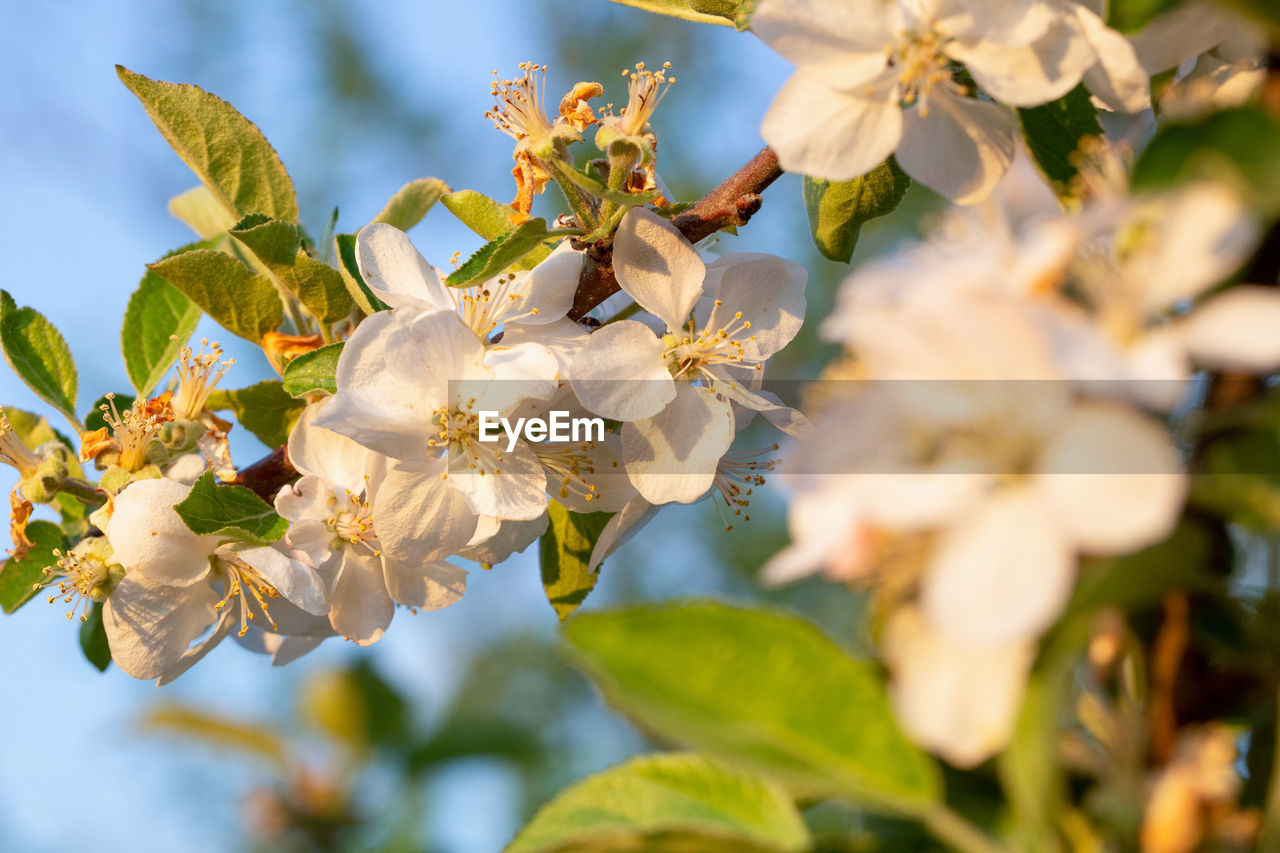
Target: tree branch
{"points": [[268, 474]]}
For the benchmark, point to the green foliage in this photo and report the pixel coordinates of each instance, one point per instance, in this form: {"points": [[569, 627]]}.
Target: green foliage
{"points": [[278, 245], [682, 9], [1129, 16], [97, 418], [838, 210], [345, 247], [201, 211], [1262, 11], [265, 409], [488, 218], [313, 372], [737, 12], [93, 640], [18, 578], [565, 552], [498, 254], [245, 304], [666, 803], [158, 322], [1053, 133], [39, 355], [1239, 145], [411, 202], [765, 690], [227, 152], [233, 512]]}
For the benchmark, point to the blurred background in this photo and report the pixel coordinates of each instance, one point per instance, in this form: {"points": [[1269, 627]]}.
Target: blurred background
{"points": [[449, 732]]}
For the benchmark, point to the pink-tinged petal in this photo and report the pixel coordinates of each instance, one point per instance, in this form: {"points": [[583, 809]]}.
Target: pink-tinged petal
{"points": [[622, 373], [1238, 330], [151, 540], [150, 625], [334, 457], [1116, 78], [657, 266], [503, 539], [673, 456], [1112, 479], [626, 523], [1000, 576], [842, 41], [962, 147], [824, 527], [818, 131], [767, 291], [428, 587], [362, 608], [419, 517], [956, 700], [296, 582], [396, 272], [1032, 74], [545, 293]]}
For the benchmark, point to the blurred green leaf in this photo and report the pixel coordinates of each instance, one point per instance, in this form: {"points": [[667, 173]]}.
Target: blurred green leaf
{"points": [[231, 511], [495, 256], [565, 552], [97, 418], [345, 247], [18, 578], [226, 151], [217, 731], [39, 355], [313, 372], [838, 210], [676, 9], [264, 409], [1240, 146], [158, 322], [93, 640], [1129, 16], [762, 688], [357, 706], [1053, 133], [278, 245], [245, 304], [666, 802], [202, 213], [411, 202]]}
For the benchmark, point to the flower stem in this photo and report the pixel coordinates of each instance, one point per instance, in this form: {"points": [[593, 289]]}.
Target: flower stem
{"points": [[953, 830], [82, 490]]}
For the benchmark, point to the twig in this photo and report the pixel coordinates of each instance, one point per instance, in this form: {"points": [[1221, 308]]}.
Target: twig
{"points": [[1166, 661], [267, 475]]}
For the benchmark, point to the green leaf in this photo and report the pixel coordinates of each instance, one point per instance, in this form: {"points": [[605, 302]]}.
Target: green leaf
{"points": [[599, 190], [496, 255], [201, 212], [1129, 16], [565, 552], [39, 355], [245, 304], [265, 409], [763, 689], [278, 245], [837, 211], [1263, 12], [665, 802], [1241, 146], [93, 640], [488, 218], [231, 511], [18, 578], [674, 8], [313, 372], [158, 322], [411, 202], [227, 152], [1053, 133], [737, 12], [34, 430], [366, 301]]}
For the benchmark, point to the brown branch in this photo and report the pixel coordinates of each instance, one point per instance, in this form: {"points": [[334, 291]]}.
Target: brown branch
{"points": [[734, 202], [267, 475]]}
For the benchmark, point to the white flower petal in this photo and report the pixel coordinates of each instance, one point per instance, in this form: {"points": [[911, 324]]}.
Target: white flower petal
{"points": [[563, 338], [657, 266], [618, 531], [1183, 32], [296, 582], [1112, 479], [310, 540], [1001, 576], [508, 485], [323, 452], [362, 609], [1238, 330], [545, 293], [767, 290], [1117, 78], [621, 373], [151, 540], [428, 587], [223, 628], [505, 539], [150, 625], [839, 40], [961, 148], [1031, 74], [673, 456], [418, 517], [818, 131], [396, 272]]}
